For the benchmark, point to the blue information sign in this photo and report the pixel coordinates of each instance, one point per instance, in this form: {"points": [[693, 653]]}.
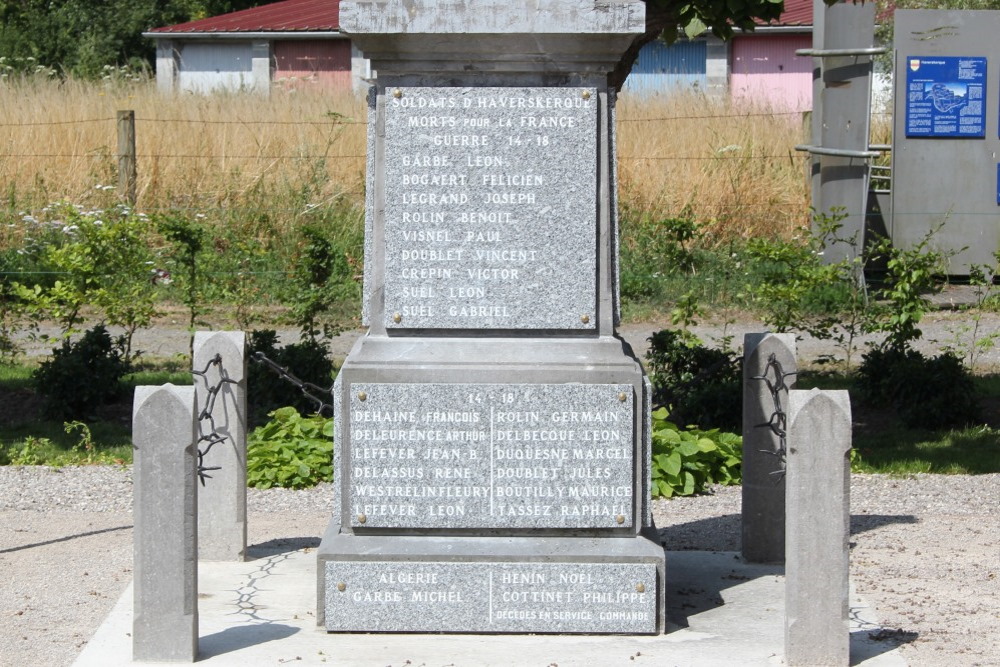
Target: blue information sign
{"points": [[945, 96]]}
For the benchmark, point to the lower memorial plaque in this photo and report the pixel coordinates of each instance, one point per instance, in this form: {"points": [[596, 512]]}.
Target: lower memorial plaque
{"points": [[432, 455], [400, 596]]}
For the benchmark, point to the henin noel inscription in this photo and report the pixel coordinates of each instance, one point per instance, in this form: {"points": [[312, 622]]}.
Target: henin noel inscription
{"points": [[491, 456], [490, 208], [411, 596]]}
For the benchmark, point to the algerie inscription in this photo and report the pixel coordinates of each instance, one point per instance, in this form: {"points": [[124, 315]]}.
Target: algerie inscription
{"points": [[391, 596], [490, 208], [491, 456]]}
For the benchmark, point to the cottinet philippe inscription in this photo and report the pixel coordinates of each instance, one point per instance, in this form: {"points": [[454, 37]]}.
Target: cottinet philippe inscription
{"points": [[392, 596], [490, 456], [490, 208]]}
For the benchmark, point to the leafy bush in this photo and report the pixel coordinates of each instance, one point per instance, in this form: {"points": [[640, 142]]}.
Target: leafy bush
{"points": [[82, 375], [699, 385], [307, 360], [26, 453], [103, 259], [792, 286], [685, 462], [655, 248], [291, 451], [322, 278], [186, 239], [927, 392]]}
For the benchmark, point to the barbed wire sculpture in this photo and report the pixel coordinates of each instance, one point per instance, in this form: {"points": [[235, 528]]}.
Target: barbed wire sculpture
{"points": [[211, 437], [774, 377]]}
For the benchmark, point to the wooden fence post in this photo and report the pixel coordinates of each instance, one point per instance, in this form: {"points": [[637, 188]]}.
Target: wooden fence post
{"points": [[126, 156]]}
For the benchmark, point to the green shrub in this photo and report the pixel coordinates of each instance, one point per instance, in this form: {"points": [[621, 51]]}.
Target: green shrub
{"points": [[685, 462], [698, 384], [290, 451], [103, 260], [927, 392], [307, 360], [322, 278], [82, 375], [654, 249], [26, 453]]}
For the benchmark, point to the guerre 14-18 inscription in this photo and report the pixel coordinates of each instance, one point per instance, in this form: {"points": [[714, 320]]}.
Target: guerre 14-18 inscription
{"points": [[491, 455], [490, 208], [393, 596]]}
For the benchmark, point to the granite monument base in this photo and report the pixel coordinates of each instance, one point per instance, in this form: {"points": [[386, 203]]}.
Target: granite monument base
{"points": [[491, 485], [600, 585]]}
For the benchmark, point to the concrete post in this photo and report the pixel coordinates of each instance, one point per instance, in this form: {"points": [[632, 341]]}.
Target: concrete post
{"points": [[818, 511], [361, 71], [165, 510], [841, 119], [166, 67], [260, 65], [222, 509], [763, 519]]}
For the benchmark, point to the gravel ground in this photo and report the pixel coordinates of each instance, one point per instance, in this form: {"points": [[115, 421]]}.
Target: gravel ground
{"points": [[925, 551]]}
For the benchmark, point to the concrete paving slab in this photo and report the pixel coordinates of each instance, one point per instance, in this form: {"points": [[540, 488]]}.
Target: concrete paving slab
{"points": [[721, 611]]}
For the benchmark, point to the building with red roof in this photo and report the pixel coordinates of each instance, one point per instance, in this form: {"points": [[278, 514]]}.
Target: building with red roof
{"points": [[756, 68], [291, 43], [298, 42]]}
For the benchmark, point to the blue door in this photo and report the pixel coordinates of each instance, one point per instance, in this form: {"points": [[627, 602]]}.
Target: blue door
{"points": [[664, 69]]}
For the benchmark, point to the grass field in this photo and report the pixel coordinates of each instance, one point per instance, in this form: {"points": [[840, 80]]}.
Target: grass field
{"points": [[733, 169]]}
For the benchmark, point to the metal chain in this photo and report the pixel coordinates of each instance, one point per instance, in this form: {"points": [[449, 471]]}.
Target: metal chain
{"points": [[212, 437], [303, 386], [778, 421]]}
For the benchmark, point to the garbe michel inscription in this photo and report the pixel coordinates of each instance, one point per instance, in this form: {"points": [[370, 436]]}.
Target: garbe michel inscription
{"points": [[392, 596], [490, 208], [491, 456]]}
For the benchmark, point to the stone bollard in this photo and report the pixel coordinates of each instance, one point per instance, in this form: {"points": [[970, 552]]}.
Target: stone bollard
{"points": [[818, 514], [763, 516], [222, 511], [165, 511]]}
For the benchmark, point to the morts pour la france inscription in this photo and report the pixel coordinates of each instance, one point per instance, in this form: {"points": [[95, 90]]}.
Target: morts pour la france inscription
{"points": [[490, 208]]}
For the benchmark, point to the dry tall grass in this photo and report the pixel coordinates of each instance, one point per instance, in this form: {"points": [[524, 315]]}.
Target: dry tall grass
{"points": [[733, 169], [58, 140]]}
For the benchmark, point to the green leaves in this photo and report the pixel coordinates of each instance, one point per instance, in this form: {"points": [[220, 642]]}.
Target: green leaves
{"points": [[685, 462], [291, 451], [105, 261]]}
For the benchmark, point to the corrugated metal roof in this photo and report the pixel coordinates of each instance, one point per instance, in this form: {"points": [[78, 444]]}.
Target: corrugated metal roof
{"points": [[319, 15], [797, 12], [286, 16]]}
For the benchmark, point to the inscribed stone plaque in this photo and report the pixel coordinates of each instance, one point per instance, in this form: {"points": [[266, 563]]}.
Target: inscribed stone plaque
{"points": [[406, 596], [491, 456], [490, 208]]}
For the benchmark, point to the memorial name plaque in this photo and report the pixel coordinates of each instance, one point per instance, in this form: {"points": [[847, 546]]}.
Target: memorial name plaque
{"points": [[490, 208], [392, 596], [491, 455]]}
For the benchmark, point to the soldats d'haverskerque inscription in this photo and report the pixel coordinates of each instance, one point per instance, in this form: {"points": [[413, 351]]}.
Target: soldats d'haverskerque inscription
{"points": [[492, 443]]}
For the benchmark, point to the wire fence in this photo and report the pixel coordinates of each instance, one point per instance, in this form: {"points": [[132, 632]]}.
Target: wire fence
{"points": [[333, 123], [202, 181]]}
